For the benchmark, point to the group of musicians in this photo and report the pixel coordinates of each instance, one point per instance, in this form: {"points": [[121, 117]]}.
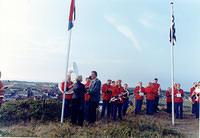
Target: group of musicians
{"points": [[195, 98]]}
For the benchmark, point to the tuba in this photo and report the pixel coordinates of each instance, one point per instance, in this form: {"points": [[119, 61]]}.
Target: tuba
{"points": [[73, 70]]}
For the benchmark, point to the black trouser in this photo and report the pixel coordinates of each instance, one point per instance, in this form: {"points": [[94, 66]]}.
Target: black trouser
{"points": [[156, 104], [67, 110], [92, 111], [77, 116], [169, 107]]}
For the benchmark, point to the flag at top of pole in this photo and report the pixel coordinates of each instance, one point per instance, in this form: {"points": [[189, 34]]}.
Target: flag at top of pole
{"points": [[72, 15], [172, 35]]}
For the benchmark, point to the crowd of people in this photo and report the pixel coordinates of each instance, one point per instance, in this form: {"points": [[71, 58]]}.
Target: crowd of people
{"points": [[83, 100], [82, 104]]}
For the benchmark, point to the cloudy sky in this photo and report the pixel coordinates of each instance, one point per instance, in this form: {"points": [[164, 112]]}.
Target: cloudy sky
{"points": [[120, 39]]}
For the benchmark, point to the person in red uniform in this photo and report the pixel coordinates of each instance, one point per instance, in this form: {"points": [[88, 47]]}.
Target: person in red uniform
{"points": [[197, 93], [68, 97], [150, 98], [139, 91], [111, 104], [86, 98], [1, 91], [178, 99], [125, 100], [193, 96], [117, 105], [157, 89], [106, 96], [168, 95]]}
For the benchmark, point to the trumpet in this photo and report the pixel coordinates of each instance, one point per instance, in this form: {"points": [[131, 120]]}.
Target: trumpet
{"points": [[113, 99]]}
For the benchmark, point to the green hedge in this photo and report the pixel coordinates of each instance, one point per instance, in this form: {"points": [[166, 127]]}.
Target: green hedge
{"points": [[30, 110]]}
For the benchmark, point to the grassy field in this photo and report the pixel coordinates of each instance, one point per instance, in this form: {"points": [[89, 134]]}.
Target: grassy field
{"points": [[158, 125]]}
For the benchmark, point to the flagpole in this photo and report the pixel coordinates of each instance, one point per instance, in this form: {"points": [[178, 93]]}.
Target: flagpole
{"points": [[66, 73], [172, 68]]}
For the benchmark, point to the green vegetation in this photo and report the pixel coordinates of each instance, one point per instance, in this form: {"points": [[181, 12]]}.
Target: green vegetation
{"points": [[41, 119]]}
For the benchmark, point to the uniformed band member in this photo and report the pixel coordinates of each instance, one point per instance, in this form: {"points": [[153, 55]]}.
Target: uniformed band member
{"points": [[107, 93], [150, 98], [68, 97], [77, 116], [117, 105], [1, 91], [94, 92], [157, 89], [169, 100], [193, 97], [111, 104], [139, 92], [125, 100], [178, 99], [86, 98], [197, 93]]}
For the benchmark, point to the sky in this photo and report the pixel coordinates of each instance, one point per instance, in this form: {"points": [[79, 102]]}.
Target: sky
{"points": [[120, 39]]}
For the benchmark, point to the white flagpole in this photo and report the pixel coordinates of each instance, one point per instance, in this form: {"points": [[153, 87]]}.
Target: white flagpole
{"points": [[66, 73], [172, 68]]}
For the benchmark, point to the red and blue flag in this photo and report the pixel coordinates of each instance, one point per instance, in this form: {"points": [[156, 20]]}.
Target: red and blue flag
{"points": [[72, 15]]}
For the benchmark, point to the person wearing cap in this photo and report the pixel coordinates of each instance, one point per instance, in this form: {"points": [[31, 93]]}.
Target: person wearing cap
{"points": [[178, 99], [168, 95], [68, 97], [157, 89], [139, 91], [106, 96], [86, 98], [193, 97]]}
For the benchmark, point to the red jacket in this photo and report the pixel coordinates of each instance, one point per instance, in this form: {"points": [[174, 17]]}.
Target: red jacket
{"points": [[178, 99], [1, 85], [2, 93], [87, 96], [155, 87], [150, 93], [136, 91], [67, 96], [106, 91], [117, 91], [191, 91], [168, 97]]}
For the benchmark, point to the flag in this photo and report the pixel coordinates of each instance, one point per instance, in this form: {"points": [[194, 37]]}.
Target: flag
{"points": [[172, 31], [72, 15]]}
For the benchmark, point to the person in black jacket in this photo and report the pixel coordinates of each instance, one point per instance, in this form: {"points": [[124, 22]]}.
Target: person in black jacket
{"points": [[78, 102]]}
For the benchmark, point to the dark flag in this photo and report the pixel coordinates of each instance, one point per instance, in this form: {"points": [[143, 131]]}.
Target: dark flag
{"points": [[172, 31]]}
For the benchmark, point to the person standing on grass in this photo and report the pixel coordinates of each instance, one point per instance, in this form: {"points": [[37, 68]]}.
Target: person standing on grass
{"points": [[68, 97], [86, 98], [192, 96], [117, 105], [111, 104], [94, 92], [106, 96], [125, 100], [197, 92], [139, 91], [77, 116], [2, 90], [179, 94], [157, 89], [168, 95], [150, 98]]}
